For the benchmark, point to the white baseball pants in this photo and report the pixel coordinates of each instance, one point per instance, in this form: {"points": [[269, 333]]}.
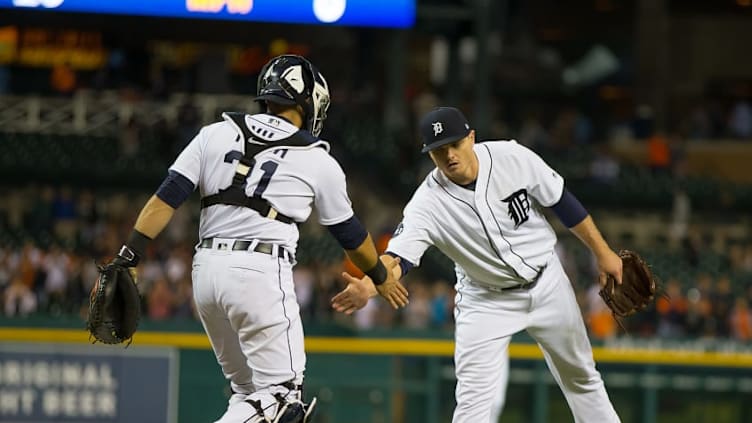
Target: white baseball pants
{"points": [[485, 323], [501, 395], [248, 307]]}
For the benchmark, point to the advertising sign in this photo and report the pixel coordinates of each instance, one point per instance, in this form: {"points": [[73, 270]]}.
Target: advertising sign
{"points": [[41, 383]]}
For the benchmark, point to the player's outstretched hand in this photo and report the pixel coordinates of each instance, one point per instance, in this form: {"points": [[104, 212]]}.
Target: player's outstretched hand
{"points": [[392, 290], [392, 263], [359, 290], [609, 263], [355, 295]]}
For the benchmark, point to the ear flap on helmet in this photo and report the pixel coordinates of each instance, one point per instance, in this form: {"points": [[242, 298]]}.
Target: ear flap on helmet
{"points": [[320, 100]]}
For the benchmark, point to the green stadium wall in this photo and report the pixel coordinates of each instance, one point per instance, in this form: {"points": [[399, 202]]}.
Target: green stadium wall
{"points": [[404, 376]]}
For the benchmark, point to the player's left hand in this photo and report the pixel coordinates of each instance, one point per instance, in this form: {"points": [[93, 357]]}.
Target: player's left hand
{"points": [[609, 263], [358, 291], [355, 295], [392, 290]]}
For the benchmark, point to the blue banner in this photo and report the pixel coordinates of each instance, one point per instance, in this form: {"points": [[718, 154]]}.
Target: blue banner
{"points": [[41, 383], [376, 13]]}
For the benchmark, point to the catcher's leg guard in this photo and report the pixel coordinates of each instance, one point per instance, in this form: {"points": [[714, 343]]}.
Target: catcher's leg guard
{"points": [[291, 413], [297, 412], [248, 411], [294, 410], [275, 404], [309, 408]]}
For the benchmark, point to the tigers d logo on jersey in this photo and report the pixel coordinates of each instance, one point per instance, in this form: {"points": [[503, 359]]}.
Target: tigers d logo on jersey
{"points": [[519, 207]]}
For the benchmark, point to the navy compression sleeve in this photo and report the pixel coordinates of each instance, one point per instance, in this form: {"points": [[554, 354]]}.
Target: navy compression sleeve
{"points": [[569, 209], [350, 233], [405, 265], [175, 189]]}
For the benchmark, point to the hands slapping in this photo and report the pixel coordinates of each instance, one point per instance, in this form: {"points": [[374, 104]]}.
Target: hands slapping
{"points": [[359, 290]]}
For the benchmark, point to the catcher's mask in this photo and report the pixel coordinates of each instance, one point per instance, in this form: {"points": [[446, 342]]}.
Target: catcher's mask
{"points": [[293, 80]]}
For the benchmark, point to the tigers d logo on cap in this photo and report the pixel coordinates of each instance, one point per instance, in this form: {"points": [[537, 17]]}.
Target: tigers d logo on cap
{"points": [[442, 126], [437, 128]]}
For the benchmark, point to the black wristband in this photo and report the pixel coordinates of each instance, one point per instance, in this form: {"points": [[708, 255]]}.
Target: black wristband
{"points": [[378, 273], [138, 242]]}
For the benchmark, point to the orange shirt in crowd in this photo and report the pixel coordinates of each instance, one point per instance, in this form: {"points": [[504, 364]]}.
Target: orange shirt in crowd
{"points": [[63, 79], [741, 321], [602, 324], [659, 153], [381, 244], [664, 305]]}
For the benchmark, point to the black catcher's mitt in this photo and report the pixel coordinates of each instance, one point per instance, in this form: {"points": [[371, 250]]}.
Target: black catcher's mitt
{"points": [[637, 289], [115, 305]]}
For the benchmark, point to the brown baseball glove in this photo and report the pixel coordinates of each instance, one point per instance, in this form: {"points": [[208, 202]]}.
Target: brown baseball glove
{"points": [[637, 289]]}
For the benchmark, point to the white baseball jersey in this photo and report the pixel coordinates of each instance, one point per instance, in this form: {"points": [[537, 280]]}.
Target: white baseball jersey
{"points": [[292, 179], [498, 239], [503, 240]]}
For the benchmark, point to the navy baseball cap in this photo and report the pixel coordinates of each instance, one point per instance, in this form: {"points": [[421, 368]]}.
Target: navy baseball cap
{"points": [[442, 126]]}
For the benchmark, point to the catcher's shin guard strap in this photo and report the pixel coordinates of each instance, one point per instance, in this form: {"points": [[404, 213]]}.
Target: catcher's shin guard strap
{"points": [[309, 410]]}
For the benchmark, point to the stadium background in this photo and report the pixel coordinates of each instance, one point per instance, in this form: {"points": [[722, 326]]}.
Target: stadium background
{"points": [[644, 106]]}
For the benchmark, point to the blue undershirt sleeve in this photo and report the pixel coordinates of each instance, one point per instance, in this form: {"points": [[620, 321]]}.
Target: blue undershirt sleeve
{"points": [[350, 233], [405, 265], [569, 210], [175, 189]]}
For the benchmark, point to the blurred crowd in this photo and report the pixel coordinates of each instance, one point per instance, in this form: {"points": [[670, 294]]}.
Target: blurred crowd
{"points": [[542, 120], [706, 306], [53, 236], [50, 271]]}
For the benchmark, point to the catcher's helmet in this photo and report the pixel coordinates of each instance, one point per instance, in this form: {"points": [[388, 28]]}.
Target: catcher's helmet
{"points": [[291, 80]]}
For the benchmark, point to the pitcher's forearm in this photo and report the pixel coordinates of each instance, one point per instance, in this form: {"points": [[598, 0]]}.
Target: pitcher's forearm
{"points": [[589, 234]]}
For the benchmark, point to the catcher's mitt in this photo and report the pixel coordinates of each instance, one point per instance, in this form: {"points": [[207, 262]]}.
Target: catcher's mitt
{"points": [[637, 289], [115, 305]]}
